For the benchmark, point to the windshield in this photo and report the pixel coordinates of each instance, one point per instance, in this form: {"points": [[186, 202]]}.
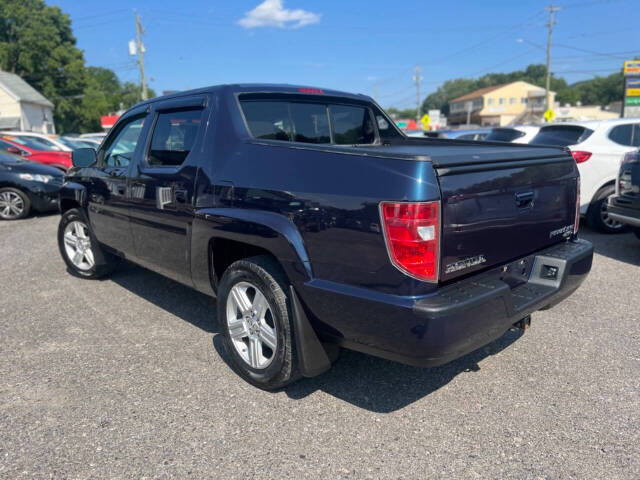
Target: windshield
{"points": [[30, 142], [561, 135], [504, 135]]}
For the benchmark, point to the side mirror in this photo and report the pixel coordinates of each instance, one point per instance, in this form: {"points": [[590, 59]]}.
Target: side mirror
{"points": [[83, 157], [14, 150]]}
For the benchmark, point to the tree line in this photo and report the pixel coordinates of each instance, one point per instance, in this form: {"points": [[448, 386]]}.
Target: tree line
{"points": [[597, 91], [37, 43]]}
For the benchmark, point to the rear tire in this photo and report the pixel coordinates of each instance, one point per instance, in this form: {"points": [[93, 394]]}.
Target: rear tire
{"points": [[598, 215], [14, 204], [256, 322], [79, 248]]}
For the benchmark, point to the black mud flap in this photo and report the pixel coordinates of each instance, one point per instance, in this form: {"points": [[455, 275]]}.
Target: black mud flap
{"points": [[312, 357]]}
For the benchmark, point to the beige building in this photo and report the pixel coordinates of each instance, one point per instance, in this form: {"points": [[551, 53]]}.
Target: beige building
{"points": [[580, 113], [516, 102], [22, 107]]}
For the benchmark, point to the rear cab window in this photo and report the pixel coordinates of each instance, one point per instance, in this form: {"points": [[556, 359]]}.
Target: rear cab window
{"points": [[561, 135], [317, 122]]}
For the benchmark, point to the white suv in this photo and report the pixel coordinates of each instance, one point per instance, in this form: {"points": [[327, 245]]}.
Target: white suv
{"points": [[598, 148]]}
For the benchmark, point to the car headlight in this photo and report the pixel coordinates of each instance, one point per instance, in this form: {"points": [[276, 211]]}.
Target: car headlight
{"points": [[35, 177]]}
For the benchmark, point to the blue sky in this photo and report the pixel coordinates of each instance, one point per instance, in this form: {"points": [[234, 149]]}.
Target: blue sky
{"points": [[351, 45]]}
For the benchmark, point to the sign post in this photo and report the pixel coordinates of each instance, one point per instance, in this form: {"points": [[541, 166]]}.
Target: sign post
{"points": [[549, 115], [631, 100]]}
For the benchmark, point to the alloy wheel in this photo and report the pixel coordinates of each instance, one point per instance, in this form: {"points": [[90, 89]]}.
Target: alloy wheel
{"points": [[606, 219], [11, 205], [251, 325], [77, 245]]}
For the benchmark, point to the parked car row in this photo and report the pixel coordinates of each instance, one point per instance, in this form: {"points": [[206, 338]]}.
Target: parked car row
{"points": [[598, 148]]}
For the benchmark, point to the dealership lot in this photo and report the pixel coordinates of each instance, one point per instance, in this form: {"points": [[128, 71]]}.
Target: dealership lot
{"points": [[123, 378]]}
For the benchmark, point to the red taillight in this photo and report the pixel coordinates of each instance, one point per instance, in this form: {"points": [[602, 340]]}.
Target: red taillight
{"points": [[581, 156], [412, 233], [576, 223]]}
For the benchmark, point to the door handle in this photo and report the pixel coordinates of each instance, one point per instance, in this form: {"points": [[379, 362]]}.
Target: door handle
{"points": [[524, 199], [180, 196]]}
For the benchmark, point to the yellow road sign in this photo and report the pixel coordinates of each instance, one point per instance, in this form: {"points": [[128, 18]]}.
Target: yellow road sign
{"points": [[425, 121], [549, 115]]}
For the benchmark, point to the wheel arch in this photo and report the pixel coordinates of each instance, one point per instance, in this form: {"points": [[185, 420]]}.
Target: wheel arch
{"points": [[225, 235], [72, 195]]}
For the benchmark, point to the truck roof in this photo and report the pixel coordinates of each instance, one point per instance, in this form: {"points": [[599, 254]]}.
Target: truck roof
{"points": [[233, 88]]}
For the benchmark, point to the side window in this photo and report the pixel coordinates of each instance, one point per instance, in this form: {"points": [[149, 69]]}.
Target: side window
{"points": [[622, 134], [352, 125], [310, 123], [119, 152], [174, 135], [635, 135]]}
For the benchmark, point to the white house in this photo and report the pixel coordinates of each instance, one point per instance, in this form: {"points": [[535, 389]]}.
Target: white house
{"points": [[22, 107]]}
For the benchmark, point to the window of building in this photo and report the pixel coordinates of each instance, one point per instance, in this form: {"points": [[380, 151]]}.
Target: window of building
{"points": [[490, 101], [512, 101], [523, 100], [501, 101], [173, 137]]}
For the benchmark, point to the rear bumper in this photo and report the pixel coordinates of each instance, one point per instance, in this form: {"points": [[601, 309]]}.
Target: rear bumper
{"points": [[624, 210], [456, 319]]}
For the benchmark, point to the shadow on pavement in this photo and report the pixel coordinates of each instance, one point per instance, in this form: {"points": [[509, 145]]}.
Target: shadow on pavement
{"points": [[177, 299], [624, 247], [367, 382], [380, 385]]}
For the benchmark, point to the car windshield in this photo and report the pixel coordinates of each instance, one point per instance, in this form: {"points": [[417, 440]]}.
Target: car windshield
{"points": [[561, 135], [30, 142], [504, 135]]}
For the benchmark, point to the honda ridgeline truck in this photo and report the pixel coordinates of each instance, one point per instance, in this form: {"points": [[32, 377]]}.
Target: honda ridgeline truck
{"points": [[317, 225]]}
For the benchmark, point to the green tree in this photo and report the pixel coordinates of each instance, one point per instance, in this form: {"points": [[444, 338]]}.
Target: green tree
{"points": [[36, 43], [130, 94]]}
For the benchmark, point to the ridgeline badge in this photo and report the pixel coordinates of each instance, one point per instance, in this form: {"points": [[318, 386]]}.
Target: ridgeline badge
{"points": [[466, 263], [564, 231]]}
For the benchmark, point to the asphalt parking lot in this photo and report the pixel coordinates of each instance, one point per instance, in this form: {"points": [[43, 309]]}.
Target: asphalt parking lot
{"points": [[122, 378]]}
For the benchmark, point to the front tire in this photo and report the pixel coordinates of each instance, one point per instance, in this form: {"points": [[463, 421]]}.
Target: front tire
{"points": [[80, 249], [14, 204], [255, 319], [598, 214]]}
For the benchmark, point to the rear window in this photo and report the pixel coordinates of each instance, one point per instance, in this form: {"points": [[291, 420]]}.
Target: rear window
{"points": [[504, 135], [308, 122], [561, 135]]}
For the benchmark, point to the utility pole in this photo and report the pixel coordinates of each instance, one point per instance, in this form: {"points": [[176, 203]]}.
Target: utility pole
{"points": [[551, 9], [139, 33], [417, 78]]}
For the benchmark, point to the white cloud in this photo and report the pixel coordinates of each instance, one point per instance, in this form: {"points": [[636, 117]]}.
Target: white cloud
{"points": [[271, 13]]}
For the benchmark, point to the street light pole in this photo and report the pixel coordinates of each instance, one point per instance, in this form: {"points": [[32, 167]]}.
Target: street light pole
{"points": [[417, 78], [551, 9], [139, 32]]}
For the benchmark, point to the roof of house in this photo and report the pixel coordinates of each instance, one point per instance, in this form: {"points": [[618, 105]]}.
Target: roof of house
{"points": [[21, 90], [477, 93], [484, 91]]}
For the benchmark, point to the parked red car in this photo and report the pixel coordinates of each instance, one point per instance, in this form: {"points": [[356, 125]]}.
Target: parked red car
{"points": [[36, 152]]}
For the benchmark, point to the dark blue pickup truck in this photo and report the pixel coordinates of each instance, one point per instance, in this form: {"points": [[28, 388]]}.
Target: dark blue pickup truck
{"points": [[318, 225]]}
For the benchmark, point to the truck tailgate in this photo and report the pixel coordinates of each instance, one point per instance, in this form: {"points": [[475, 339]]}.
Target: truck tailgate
{"points": [[495, 212]]}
